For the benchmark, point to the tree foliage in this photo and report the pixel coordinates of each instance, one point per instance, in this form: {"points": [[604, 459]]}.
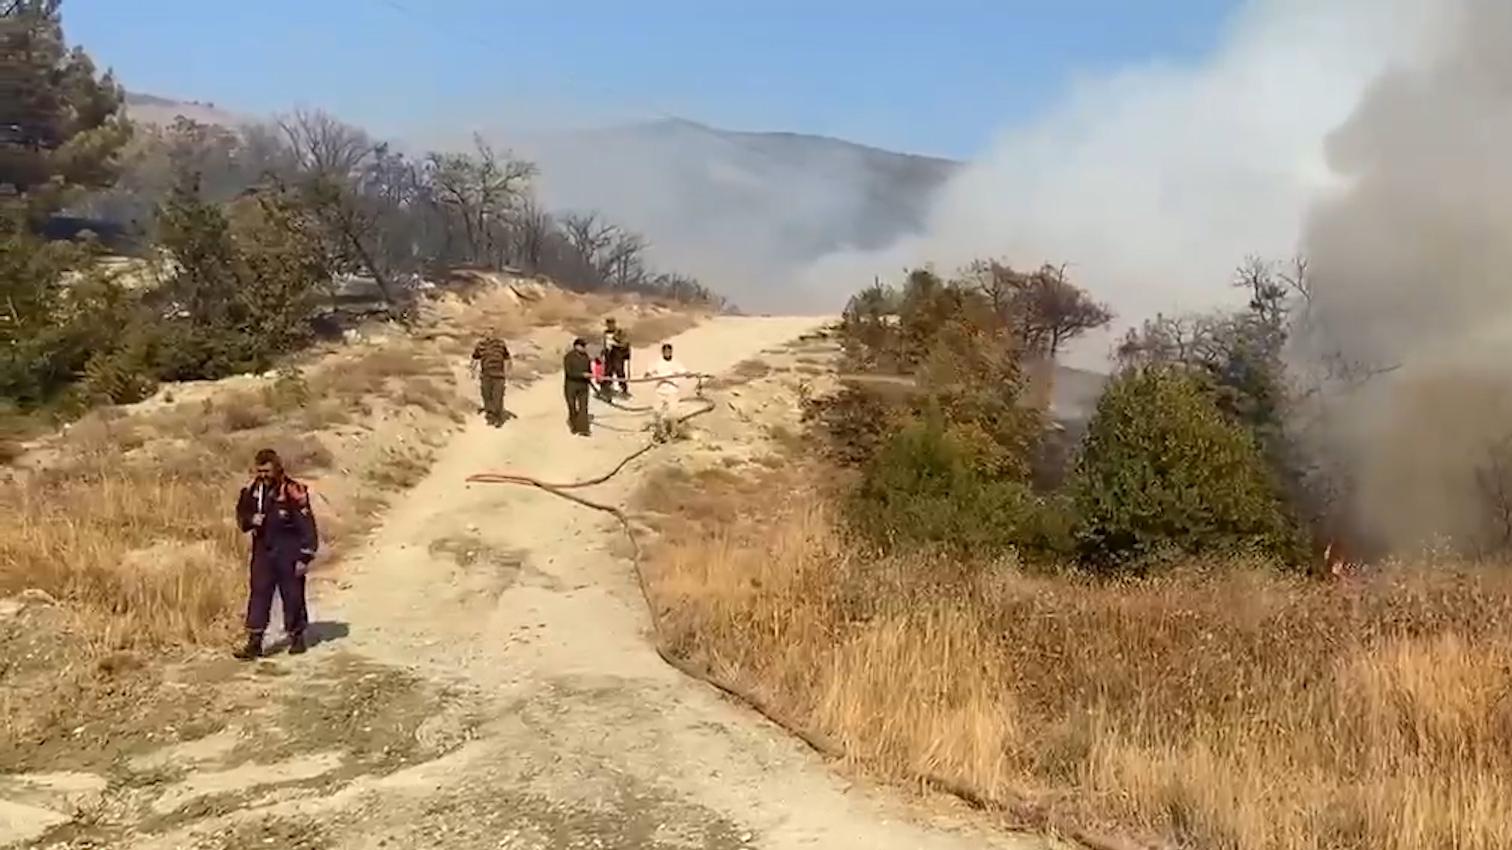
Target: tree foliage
{"points": [[243, 285], [60, 122], [1163, 469], [1044, 309], [937, 421], [929, 485]]}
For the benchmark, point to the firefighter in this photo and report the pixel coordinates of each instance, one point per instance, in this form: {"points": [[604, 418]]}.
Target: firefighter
{"points": [[274, 510], [490, 360], [616, 351], [577, 377]]}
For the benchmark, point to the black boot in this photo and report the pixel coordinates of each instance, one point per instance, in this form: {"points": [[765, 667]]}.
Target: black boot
{"points": [[252, 649], [297, 645]]}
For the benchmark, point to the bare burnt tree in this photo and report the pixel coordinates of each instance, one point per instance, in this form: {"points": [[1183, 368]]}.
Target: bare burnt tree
{"points": [[482, 191], [390, 187], [533, 231], [324, 146], [996, 281], [622, 266], [1045, 308], [327, 155], [1052, 311], [1170, 340], [590, 236]]}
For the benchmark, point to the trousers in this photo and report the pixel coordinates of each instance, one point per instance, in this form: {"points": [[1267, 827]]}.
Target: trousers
{"points": [[492, 388], [275, 575], [577, 406], [616, 360]]}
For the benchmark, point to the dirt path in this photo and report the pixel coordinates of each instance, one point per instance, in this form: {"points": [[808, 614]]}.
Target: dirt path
{"points": [[561, 727]]}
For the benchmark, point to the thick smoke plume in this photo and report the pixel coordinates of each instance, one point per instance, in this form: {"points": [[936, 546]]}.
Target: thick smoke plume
{"points": [[1154, 184], [1412, 269]]}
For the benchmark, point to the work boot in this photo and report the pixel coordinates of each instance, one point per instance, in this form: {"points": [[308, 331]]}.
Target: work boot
{"points": [[297, 645], [252, 649]]}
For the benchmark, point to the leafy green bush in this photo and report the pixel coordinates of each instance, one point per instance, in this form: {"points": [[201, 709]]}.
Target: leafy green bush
{"points": [[1162, 470], [928, 485], [244, 285]]}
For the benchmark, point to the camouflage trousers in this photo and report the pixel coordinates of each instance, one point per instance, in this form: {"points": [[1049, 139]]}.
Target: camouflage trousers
{"points": [[492, 388]]}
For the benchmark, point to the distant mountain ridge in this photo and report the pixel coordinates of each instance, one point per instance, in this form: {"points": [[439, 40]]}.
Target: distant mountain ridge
{"points": [[744, 210]]}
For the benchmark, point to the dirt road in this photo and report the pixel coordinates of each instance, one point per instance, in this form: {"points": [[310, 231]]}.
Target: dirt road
{"points": [[550, 723]]}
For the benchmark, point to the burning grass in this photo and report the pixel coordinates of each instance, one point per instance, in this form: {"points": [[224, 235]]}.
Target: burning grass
{"points": [[1230, 708]]}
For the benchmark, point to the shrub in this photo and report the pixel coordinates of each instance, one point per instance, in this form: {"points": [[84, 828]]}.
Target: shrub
{"points": [[855, 422], [289, 390], [927, 485], [1163, 470]]}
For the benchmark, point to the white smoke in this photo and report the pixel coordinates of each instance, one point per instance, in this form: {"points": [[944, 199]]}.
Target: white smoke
{"points": [[1155, 183]]}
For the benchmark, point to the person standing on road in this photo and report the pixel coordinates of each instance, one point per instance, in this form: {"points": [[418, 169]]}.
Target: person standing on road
{"points": [[577, 376], [274, 510], [490, 360], [667, 372], [616, 353]]}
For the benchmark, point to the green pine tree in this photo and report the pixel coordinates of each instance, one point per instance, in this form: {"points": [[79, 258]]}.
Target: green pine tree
{"points": [[61, 125]]}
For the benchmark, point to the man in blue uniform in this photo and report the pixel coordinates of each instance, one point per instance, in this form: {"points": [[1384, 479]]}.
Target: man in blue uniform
{"points": [[274, 510]]}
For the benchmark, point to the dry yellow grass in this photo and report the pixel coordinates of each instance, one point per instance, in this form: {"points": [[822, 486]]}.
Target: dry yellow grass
{"points": [[130, 526], [129, 522], [1237, 709], [149, 560]]}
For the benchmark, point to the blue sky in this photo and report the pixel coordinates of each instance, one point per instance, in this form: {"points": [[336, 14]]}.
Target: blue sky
{"points": [[936, 77]]}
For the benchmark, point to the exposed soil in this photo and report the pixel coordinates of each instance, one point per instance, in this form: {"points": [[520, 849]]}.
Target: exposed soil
{"points": [[483, 677]]}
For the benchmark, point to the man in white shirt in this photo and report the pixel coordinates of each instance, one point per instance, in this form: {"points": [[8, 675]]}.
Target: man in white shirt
{"points": [[667, 373]]}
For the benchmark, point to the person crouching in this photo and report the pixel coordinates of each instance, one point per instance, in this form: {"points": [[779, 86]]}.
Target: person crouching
{"points": [[274, 510]]}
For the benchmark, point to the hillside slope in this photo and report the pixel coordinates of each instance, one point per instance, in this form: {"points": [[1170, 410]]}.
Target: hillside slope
{"points": [[738, 207]]}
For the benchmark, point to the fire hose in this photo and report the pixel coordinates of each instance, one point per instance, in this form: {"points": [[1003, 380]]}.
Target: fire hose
{"points": [[1025, 814]]}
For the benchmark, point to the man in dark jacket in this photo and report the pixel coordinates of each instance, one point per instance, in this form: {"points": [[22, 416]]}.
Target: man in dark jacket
{"points": [[616, 354], [274, 510], [577, 375]]}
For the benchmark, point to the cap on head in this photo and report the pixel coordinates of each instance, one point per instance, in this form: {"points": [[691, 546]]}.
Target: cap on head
{"points": [[609, 321], [580, 343]]}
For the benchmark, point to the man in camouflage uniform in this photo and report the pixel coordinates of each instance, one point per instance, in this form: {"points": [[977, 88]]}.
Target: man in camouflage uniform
{"points": [[274, 510], [491, 360]]}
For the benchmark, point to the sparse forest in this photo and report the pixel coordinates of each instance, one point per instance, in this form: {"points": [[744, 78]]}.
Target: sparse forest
{"points": [[239, 235]]}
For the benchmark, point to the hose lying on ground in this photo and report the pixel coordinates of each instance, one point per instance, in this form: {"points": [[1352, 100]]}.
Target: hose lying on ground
{"points": [[1026, 815]]}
